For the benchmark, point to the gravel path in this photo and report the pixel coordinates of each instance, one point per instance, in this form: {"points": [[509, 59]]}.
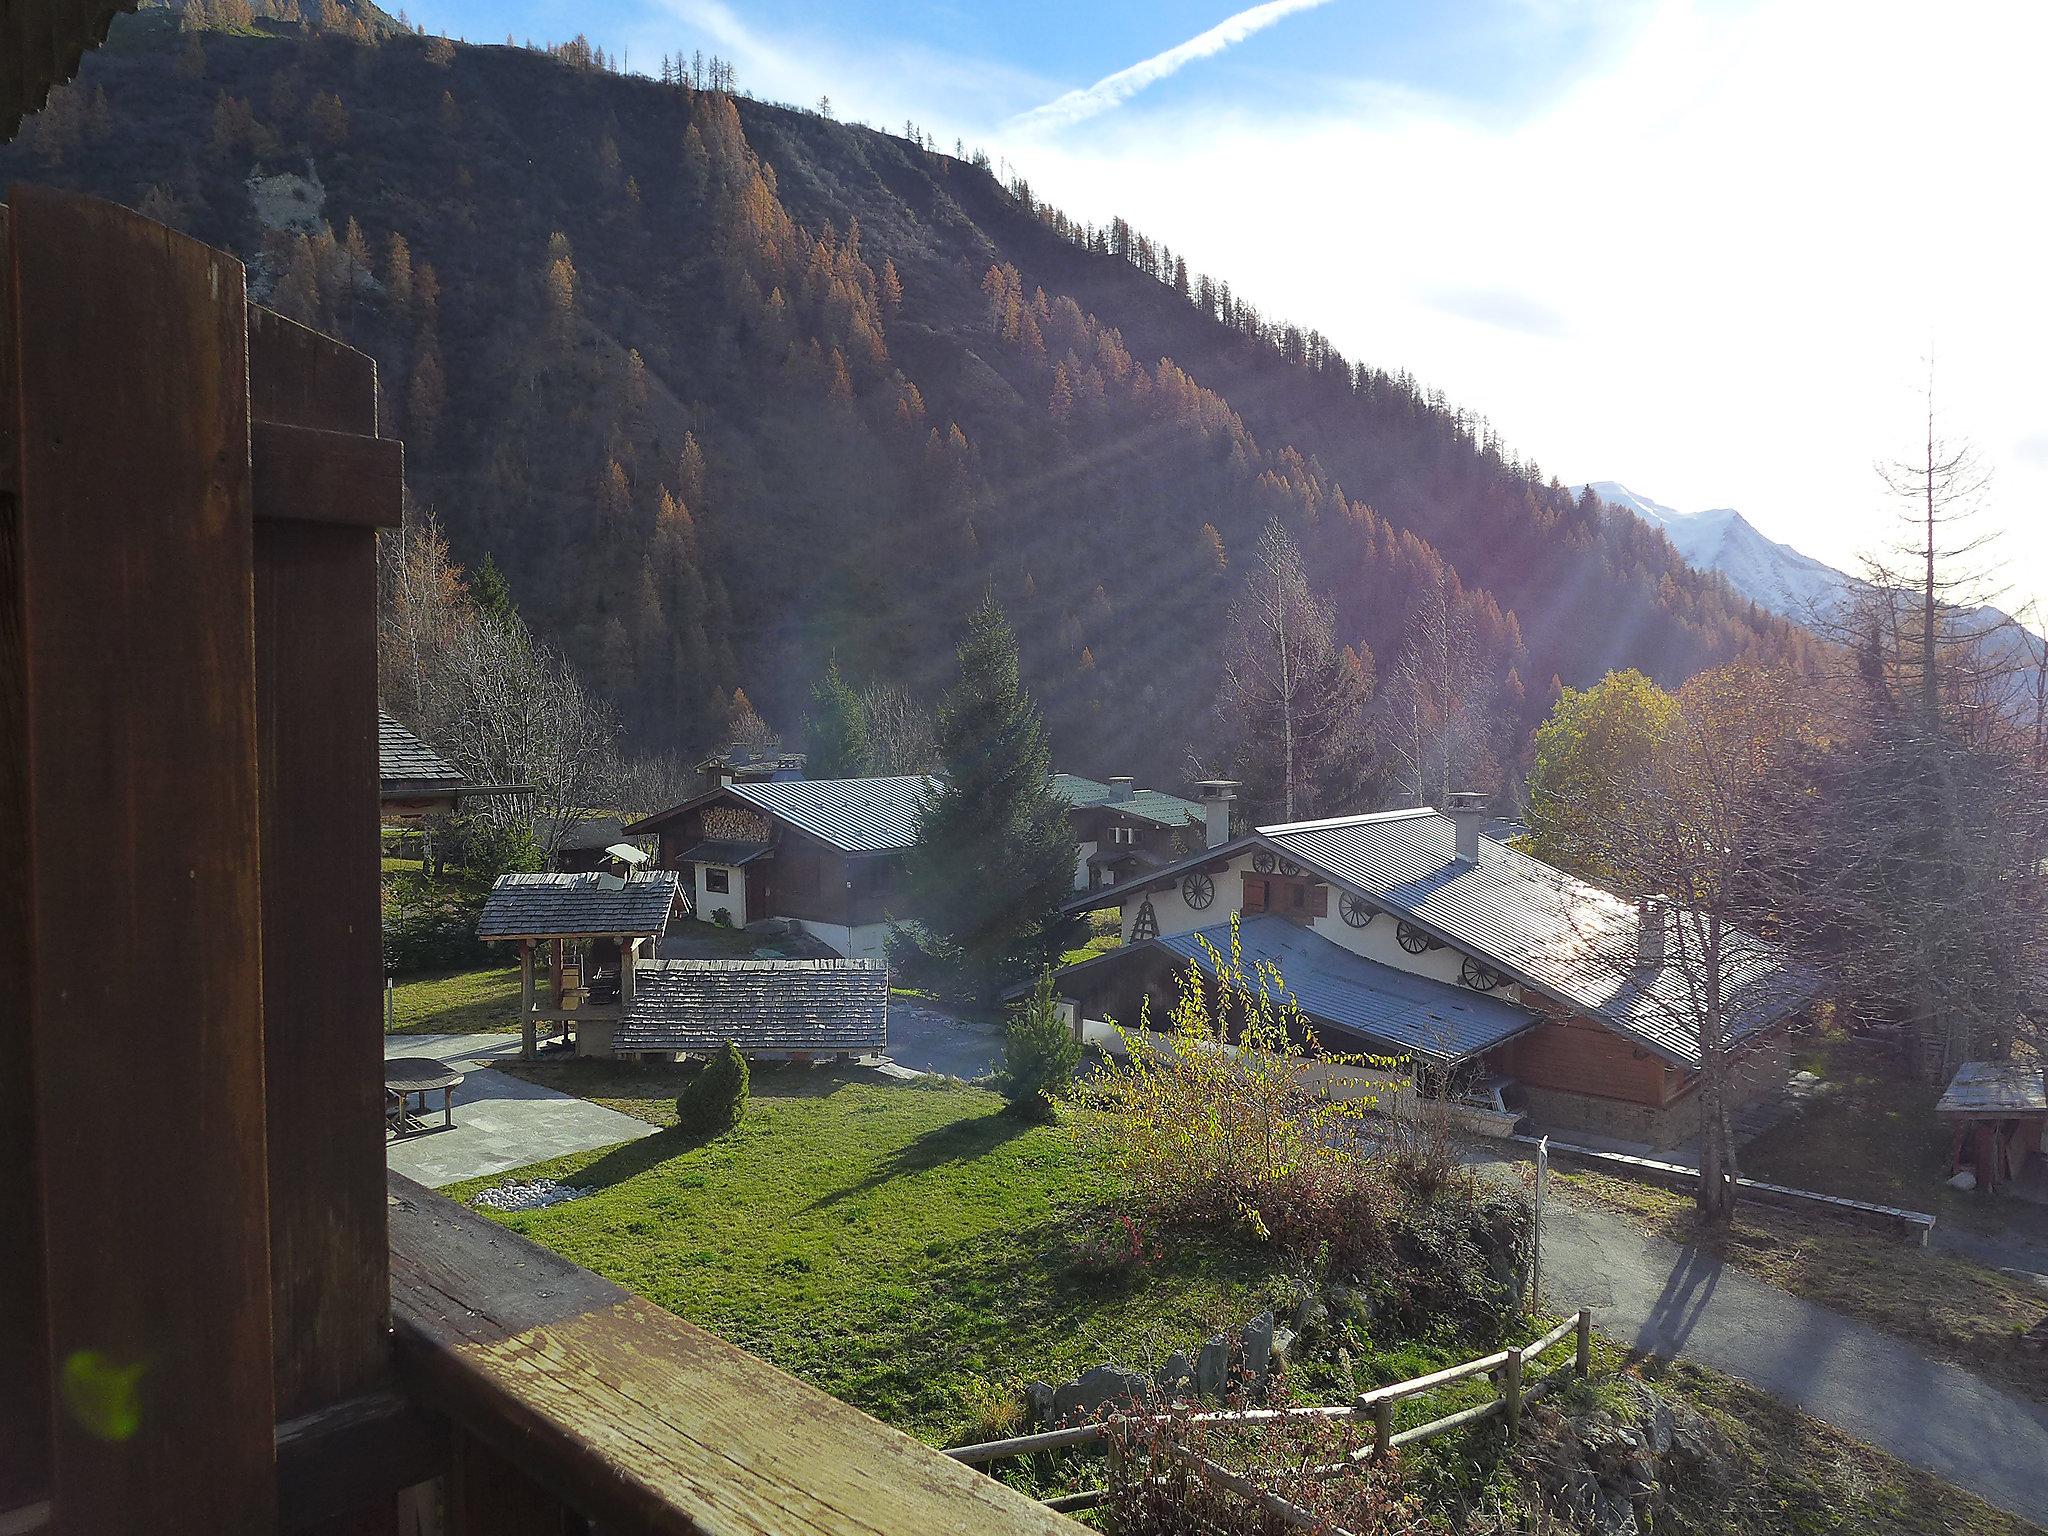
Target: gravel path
{"points": [[1670, 1301]]}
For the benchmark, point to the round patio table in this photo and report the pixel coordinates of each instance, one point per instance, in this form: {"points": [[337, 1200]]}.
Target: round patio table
{"points": [[407, 1076]]}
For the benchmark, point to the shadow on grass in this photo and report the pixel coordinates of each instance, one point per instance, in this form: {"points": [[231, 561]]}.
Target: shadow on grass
{"points": [[636, 1157], [957, 1141]]}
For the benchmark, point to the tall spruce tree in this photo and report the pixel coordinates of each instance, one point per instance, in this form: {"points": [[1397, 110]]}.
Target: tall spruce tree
{"points": [[994, 857], [836, 730]]}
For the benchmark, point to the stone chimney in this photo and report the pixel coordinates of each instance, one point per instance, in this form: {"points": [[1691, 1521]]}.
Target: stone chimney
{"points": [[1120, 786], [717, 772], [1467, 811], [1217, 795], [1650, 919]]}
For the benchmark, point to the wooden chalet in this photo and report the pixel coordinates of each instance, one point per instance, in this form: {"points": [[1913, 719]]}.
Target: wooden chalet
{"points": [[595, 930], [825, 854], [1411, 932], [219, 1313], [1997, 1115], [1121, 830]]}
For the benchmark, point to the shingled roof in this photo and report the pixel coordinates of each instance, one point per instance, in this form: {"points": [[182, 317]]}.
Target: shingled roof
{"points": [[578, 906], [405, 763], [853, 815], [759, 1005]]}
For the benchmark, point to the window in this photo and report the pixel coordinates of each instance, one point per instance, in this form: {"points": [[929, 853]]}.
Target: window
{"points": [[718, 881], [1128, 836]]}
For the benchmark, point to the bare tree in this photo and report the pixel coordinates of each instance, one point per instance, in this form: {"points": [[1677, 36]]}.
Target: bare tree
{"points": [[1704, 842], [1293, 702], [1440, 702], [901, 740]]}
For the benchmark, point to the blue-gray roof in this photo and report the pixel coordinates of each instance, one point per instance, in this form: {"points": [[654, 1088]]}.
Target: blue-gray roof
{"points": [[1415, 1015], [1153, 805], [1545, 928]]}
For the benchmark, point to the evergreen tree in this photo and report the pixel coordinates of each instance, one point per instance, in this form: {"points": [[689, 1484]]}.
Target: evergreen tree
{"points": [[493, 598], [835, 731], [994, 857]]}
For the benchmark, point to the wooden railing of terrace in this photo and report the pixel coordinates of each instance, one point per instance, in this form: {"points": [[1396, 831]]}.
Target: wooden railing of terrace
{"points": [[217, 1313]]}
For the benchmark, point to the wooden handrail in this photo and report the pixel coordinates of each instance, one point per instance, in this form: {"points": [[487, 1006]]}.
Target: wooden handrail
{"points": [[639, 1420]]}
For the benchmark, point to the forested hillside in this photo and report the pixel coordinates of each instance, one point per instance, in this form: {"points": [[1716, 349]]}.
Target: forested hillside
{"points": [[727, 389]]}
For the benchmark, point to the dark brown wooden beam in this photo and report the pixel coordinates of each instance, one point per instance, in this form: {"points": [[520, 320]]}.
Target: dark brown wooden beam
{"points": [[305, 475], [337, 1460], [139, 731]]}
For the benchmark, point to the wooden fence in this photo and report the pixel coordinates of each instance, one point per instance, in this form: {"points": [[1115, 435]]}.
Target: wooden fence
{"points": [[1508, 1369]]}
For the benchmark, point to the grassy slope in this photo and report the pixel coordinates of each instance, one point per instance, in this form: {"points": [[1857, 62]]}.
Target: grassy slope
{"points": [[900, 1247], [457, 1003]]}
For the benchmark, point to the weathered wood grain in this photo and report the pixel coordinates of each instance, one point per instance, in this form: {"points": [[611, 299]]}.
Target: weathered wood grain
{"points": [[642, 1421], [24, 1449], [303, 474], [144, 986], [316, 686]]}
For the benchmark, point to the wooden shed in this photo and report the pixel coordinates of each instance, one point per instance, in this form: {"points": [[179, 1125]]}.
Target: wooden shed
{"points": [[1997, 1112]]}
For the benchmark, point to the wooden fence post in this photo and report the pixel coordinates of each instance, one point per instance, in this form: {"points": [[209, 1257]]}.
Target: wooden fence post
{"points": [[1382, 1429], [1511, 1390], [1584, 1362]]}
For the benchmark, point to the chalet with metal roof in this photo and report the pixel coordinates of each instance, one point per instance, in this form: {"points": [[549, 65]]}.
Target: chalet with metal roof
{"points": [[1610, 1046], [799, 1008], [1121, 830]]}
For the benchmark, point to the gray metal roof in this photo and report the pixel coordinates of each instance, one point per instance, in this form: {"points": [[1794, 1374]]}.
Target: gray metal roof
{"points": [[854, 815], [759, 1005], [1543, 927], [1152, 805], [564, 906], [1414, 1014], [404, 761], [2001, 1088]]}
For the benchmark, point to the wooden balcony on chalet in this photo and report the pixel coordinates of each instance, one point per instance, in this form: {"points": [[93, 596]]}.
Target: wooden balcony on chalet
{"points": [[218, 1313]]}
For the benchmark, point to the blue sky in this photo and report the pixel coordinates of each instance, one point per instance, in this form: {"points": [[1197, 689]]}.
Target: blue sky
{"points": [[1673, 244]]}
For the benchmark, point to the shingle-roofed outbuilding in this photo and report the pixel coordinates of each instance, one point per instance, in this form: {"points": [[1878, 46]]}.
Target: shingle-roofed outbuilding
{"points": [[552, 906], [758, 1005]]}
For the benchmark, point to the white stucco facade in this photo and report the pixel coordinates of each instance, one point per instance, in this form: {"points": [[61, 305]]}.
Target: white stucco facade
{"points": [[733, 899], [1375, 941]]}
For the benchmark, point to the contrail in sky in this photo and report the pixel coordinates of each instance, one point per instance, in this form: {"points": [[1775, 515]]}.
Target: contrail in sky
{"points": [[1113, 90]]}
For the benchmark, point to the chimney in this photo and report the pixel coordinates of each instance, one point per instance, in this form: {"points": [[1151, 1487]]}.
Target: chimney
{"points": [[1467, 811], [1120, 786], [1650, 932], [1216, 797], [717, 772]]}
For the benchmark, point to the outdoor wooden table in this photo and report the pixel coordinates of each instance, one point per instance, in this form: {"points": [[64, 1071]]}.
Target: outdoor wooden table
{"points": [[405, 1076]]}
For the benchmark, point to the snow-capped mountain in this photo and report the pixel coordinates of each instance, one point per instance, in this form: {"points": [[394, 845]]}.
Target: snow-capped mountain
{"points": [[1773, 575]]}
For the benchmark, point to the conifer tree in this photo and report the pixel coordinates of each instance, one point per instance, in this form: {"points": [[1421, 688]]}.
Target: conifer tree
{"points": [[835, 732], [994, 858]]}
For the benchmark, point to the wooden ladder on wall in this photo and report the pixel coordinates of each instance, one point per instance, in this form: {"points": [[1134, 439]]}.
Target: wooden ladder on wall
{"points": [[190, 1097]]}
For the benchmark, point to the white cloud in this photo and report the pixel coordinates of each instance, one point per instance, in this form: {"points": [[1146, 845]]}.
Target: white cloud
{"points": [[1113, 90], [1713, 271]]}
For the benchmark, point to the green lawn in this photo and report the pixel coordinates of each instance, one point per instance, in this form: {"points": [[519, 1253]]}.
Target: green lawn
{"points": [[905, 1248], [900, 1247], [460, 1002]]}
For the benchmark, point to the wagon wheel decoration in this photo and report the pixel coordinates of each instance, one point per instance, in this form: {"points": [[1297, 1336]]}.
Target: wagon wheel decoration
{"points": [[1356, 911], [1480, 978], [1412, 938], [1263, 861], [1289, 867], [1197, 890], [1147, 925]]}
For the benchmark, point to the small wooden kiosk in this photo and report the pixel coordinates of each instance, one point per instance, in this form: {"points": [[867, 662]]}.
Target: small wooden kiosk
{"points": [[1998, 1112], [595, 929]]}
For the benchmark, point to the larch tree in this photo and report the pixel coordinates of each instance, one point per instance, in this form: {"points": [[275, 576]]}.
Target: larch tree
{"points": [[1293, 703], [994, 857]]}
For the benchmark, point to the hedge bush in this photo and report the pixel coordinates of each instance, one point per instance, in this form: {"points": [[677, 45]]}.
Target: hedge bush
{"points": [[715, 1100]]}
